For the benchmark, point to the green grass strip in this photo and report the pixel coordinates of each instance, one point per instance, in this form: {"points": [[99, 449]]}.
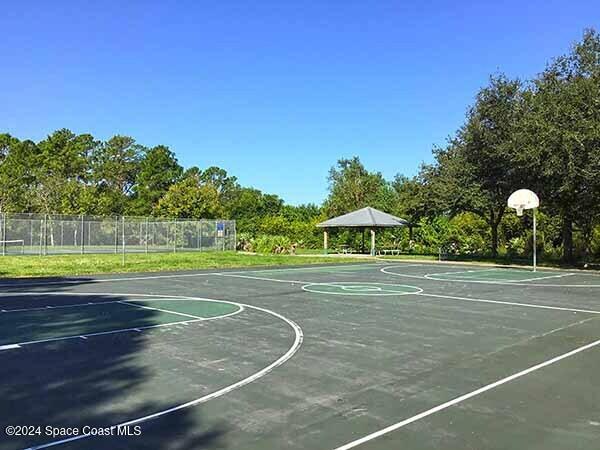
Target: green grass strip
{"points": [[69, 265]]}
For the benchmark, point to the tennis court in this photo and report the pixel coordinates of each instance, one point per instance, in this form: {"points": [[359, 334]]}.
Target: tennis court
{"points": [[383, 355]]}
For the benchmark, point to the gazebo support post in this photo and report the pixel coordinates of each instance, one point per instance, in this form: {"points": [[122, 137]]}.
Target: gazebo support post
{"points": [[372, 241], [362, 245], [325, 241]]}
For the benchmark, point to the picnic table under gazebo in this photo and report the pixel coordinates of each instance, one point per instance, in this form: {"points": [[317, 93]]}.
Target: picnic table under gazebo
{"points": [[365, 218]]}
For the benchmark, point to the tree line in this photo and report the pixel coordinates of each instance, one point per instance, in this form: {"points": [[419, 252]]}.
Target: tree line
{"points": [[542, 134]]}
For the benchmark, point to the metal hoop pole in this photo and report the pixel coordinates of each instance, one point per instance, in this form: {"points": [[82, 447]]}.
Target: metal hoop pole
{"points": [[534, 241]]}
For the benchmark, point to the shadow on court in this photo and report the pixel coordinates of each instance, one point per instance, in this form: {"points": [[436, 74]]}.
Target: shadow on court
{"points": [[98, 382]]}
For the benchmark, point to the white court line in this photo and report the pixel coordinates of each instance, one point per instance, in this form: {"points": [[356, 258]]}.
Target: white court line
{"points": [[299, 337], [27, 283], [120, 330], [379, 293], [100, 333], [162, 310], [549, 276], [407, 264], [500, 302], [346, 266], [9, 346], [436, 276], [72, 305], [504, 283], [464, 397], [78, 305], [307, 284], [250, 277], [463, 271]]}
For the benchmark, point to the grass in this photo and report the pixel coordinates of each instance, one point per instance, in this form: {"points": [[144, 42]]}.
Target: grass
{"points": [[69, 265], [411, 257]]}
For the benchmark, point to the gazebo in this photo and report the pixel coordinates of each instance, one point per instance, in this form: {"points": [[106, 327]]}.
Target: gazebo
{"points": [[364, 218]]}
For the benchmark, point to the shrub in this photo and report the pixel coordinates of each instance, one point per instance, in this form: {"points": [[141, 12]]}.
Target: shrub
{"points": [[270, 244]]}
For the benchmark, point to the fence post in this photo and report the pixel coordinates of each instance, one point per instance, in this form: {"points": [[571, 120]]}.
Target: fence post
{"points": [[45, 234], [123, 243], [167, 241], [4, 234], [147, 222], [82, 236], [42, 235], [175, 238], [116, 235], [234, 237], [198, 234]]}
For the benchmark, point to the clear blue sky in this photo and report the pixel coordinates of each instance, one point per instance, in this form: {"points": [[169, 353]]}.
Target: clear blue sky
{"points": [[273, 91]]}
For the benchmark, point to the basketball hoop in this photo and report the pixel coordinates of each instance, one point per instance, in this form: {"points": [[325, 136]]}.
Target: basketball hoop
{"points": [[521, 200]]}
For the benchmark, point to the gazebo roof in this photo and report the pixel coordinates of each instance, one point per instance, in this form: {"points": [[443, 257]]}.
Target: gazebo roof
{"points": [[364, 218]]}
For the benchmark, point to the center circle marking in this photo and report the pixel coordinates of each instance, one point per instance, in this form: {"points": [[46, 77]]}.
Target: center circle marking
{"points": [[361, 288]]}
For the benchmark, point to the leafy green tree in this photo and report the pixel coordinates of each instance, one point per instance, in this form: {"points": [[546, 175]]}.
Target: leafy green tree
{"points": [[301, 213], [352, 186], [115, 163], [275, 225], [248, 205], [477, 171], [61, 166], [190, 198], [114, 166], [17, 162], [158, 171], [222, 182], [563, 138]]}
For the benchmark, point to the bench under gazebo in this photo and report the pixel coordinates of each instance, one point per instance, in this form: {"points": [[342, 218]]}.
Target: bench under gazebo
{"points": [[363, 219]]}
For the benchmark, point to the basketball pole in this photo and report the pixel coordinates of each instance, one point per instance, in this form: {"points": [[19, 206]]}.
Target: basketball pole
{"points": [[534, 240]]}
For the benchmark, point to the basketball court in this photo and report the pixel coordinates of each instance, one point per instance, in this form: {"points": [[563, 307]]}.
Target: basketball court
{"points": [[385, 355]]}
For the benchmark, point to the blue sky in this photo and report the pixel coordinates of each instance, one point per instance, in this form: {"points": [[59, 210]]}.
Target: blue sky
{"points": [[273, 91]]}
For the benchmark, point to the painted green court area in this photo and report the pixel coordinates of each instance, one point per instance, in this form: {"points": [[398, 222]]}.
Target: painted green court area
{"points": [[371, 356], [26, 326], [361, 288], [499, 274]]}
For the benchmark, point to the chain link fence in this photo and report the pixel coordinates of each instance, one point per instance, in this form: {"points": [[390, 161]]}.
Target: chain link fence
{"points": [[46, 234]]}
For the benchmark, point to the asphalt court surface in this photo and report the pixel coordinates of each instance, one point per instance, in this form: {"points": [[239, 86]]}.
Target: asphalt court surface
{"points": [[385, 355]]}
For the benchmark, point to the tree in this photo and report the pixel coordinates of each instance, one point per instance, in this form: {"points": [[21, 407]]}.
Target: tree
{"points": [[190, 198], [158, 171], [17, 162], [115, 163], [61, 166], [301, 213], [248, 205], [219, 178], [114, 166], [351, 187], [563, 134], [481, 163]]}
